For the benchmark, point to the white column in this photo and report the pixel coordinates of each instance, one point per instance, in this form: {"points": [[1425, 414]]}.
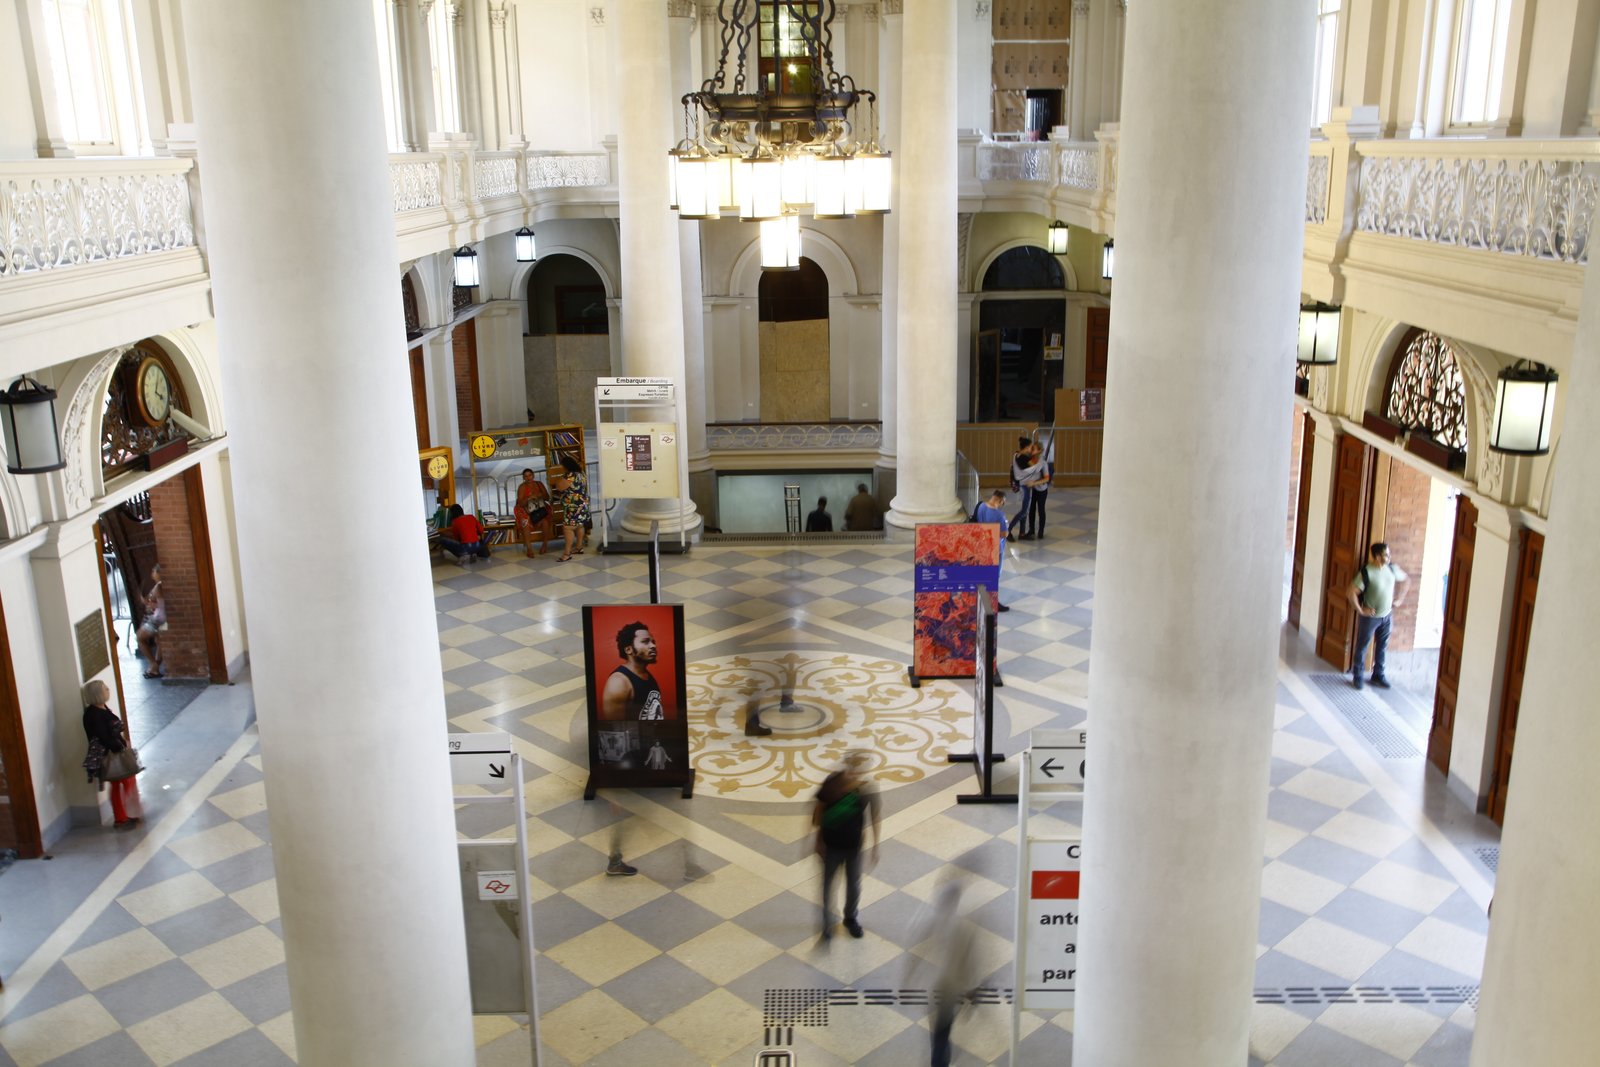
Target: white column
{"points": [[417, 79], [344, 645], [652, 265], [889, 97], [681, 25], [1078, 72], [926, 386], [1183, 672], [1539, 972]]}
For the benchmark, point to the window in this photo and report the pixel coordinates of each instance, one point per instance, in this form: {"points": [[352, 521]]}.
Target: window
{"points": [[389, 72], [785, 47], [442, 47], [1427, 393], [1480, 60], [95, 76], [1324, 61]]}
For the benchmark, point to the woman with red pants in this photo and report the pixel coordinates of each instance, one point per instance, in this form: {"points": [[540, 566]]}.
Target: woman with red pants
{"points": [[107, 735]]}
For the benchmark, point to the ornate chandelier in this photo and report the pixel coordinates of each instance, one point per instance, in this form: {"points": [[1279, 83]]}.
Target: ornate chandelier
{"points": [[775, 130]]}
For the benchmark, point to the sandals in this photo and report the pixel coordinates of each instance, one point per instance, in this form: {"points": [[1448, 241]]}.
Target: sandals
{"points": [[563, 559], [152, 674]]}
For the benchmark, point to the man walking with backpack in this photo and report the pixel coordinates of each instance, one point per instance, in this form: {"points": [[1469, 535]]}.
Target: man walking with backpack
{"points": [[1374, 592]]}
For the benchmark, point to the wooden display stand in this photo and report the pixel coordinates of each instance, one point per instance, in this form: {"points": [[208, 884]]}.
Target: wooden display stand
{"points": [[520, 443]]}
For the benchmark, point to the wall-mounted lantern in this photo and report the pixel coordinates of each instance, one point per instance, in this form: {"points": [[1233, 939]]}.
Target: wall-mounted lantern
{"points": [[28, 419], [1524, 407]]}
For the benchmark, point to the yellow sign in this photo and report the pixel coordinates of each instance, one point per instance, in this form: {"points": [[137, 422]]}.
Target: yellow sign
{"points": [[483, 446], [438, 467]]}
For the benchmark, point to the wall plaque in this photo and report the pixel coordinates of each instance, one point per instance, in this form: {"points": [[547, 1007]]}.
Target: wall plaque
{"points": [[94, 654]]}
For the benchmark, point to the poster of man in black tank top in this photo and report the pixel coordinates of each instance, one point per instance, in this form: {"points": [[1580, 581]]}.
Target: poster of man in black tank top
{"points": [[635, 656]]}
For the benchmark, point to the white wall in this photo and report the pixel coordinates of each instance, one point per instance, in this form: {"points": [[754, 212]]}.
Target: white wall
{"points": [[974, 68], [17, 132], [562, 48]]}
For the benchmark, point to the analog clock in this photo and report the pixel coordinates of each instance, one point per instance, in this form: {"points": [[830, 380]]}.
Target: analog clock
{"points": [[153, 392], [438, 467]]}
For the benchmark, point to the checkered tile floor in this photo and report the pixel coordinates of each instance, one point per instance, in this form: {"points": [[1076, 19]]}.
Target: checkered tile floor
{"points": [[678, 965]]}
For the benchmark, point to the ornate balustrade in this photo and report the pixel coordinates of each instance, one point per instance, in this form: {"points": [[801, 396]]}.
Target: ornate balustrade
{"points": [[1317, 179], [1015, 161], [1521, 198], [65, 213], [793, 436], [459, 178]]}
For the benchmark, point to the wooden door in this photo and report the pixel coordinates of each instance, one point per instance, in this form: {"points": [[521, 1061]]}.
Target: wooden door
{"points": [[1302, 508], [1454, 639], [1348, 527], [1097, 344], [19, 816], [1516, 665], [419, 397], [205, 576]]}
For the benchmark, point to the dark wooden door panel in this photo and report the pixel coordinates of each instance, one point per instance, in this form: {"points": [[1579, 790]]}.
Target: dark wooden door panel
{"points": [[1516, 665], [1097, 344], [1347, 536], [1447, 687], [1302, 508]]}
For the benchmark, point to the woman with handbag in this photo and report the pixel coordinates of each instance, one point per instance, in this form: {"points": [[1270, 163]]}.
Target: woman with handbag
{"points": [[533, 512], [111, 760]]}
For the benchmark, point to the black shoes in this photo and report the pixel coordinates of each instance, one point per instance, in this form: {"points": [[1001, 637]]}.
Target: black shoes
{"points": [[617, 867], [854, 928], [1380, 681]]}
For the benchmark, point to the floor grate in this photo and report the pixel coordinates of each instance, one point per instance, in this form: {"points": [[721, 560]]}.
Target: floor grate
{"points": [[1370, 994], [1489, 856], [1370, 722], [865, 537], [785, 1009]]}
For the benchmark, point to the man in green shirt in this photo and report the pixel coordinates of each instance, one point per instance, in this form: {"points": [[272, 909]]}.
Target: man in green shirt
{"points": [[1375, 592]]}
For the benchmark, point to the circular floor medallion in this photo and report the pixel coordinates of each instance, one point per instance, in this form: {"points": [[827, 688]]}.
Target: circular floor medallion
{"points": [[840, 703]]}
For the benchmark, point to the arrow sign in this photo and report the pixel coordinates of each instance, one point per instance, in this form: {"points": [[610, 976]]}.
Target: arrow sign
{"points": [[1058, 758], [480, 759]]}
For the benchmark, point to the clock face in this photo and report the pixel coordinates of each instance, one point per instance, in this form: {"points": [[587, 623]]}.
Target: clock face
{"points": [[483, 446], [154, 392], [438, 467]]}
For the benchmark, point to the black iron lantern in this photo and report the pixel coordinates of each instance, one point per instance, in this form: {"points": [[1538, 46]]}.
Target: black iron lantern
{"points": [[1524, 407], [1055, 240], [28, 419], [527, 252], [466, 267], [1319, 335], [1106, 256]]}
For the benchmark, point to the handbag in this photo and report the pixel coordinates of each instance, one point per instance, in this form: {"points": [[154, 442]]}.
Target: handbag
{"points": [[122, 765]]}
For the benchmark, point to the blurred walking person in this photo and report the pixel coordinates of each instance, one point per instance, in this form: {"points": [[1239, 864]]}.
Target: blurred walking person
{"points": [[843, 807]]}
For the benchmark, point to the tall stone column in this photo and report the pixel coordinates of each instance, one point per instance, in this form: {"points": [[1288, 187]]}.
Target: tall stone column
{"points": [[1182, 674], [890, 12], [1078, 77], [1540, 970], [348, 686], [680, 21], [926, 338], [652, 265], [411, 17]]}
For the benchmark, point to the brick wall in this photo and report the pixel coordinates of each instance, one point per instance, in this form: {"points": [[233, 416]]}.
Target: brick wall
{"points": [[465, 342], [1406, 528], [183, 646]]}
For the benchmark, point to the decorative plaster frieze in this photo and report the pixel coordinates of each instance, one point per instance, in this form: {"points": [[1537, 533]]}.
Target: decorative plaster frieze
{"points": [[1080, 166], [425, 8], [794, 436], [494, 177], [65, 219], [80, 439], [497, 14], [1540, 208], [1317, 189], [415, 185], [980, 10], [597, 15], [894, 7], [681, 9], [869, 12], [549, 172], [1080, 8]]}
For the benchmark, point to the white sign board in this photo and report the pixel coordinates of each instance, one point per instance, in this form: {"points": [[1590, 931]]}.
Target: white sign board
{"points": [[1058, 758], [1050, 947], [481, 759], [497, 885], [609, 389], [639, 460]]}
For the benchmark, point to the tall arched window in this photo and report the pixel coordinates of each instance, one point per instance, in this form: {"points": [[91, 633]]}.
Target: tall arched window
{"points": [[1324, 60], [93, 80], [1480, 60], [1426, 392]]}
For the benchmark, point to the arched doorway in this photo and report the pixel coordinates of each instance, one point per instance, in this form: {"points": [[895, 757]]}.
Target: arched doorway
{"points": [[1012, 379], [566, 346], [792, 308]]}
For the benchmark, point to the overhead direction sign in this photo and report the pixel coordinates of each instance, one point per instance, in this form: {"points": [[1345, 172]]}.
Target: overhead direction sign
{"points": [[633, 389], [1058, 759], [480, 759]]}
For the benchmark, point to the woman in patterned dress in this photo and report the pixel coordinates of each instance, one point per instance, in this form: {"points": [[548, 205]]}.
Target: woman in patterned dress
{"points": [[572, 496]]}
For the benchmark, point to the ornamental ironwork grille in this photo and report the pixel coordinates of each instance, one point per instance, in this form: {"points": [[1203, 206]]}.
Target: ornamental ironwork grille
{"points": [[1427, 393], [124, 437]]}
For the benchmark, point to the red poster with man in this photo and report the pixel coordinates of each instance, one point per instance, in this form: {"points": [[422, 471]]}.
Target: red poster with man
{"points": [[638, 727]]}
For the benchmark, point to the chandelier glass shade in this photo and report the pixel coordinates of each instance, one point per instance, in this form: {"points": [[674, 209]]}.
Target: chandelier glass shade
{"points": [[780, 243], [777, 128]]}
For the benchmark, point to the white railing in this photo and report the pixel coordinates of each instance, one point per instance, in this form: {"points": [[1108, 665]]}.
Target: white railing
{"points": [[416, 181], [496, 174], [1015, 161], [1523, 198], [560, 170], [64, 213], [1317, 177], [1078, 165], [451, 178], [793, 436]]}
